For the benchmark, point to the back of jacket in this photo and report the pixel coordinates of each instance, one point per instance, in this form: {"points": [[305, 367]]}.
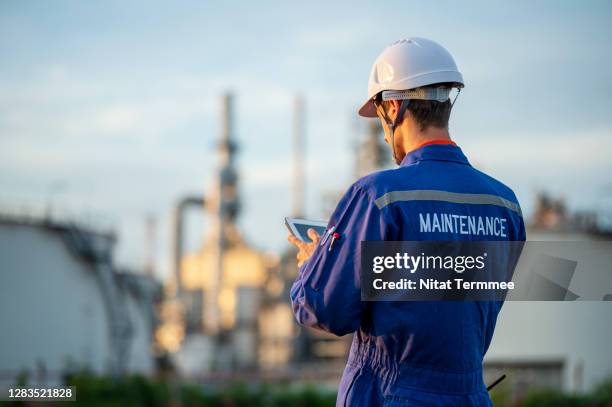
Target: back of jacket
{"points": [[407, 350]]}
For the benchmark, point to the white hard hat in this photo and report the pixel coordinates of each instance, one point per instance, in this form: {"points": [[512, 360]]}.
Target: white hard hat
{"points": [[408, 64]]}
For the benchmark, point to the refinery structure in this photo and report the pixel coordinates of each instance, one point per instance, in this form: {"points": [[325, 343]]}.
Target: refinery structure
{"points": [[214, 301], [227, 308], [65, 306]]}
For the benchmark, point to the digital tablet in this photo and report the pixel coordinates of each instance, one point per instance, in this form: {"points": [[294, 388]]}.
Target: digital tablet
{"points": [[299, 227]]}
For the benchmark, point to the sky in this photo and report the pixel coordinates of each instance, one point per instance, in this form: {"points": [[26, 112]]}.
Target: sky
{"points": [[109, 111]]}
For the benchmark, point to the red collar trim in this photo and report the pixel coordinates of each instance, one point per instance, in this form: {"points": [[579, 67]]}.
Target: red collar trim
{"points": [[440, 141]]}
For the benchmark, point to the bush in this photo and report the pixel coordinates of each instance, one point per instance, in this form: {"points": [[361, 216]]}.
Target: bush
{"points": [[555, 399], [128, 391], [133, 391], [602, 395]]}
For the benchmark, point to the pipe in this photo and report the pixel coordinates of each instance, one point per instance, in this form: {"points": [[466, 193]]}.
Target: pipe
{"points": [[179, 214]]}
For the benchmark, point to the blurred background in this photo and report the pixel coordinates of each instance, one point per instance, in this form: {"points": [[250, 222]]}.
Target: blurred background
{"points": [[149, 152]]}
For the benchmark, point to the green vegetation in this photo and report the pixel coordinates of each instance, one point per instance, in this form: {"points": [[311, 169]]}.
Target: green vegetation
{"points": [[133, 391], [601, 396]]}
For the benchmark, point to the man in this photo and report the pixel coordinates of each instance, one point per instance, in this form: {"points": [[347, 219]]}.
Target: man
{"points": [[406, 353]]}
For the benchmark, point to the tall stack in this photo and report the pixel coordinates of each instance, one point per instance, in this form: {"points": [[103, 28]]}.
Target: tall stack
{"points": [[226, 207]]}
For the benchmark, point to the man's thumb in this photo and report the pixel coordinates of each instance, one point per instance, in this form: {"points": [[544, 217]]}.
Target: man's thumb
{"points": [[313, 235]]}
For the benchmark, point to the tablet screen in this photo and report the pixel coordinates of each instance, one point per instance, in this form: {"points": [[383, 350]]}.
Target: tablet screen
{"points": [[302, 229], [299, 227]]}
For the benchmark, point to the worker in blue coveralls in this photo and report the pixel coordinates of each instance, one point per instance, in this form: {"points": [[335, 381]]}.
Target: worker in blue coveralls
{"points": [[410, 353]]}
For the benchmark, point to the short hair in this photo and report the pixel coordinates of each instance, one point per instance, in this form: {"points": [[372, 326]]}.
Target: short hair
{"points": [[428, 113]]}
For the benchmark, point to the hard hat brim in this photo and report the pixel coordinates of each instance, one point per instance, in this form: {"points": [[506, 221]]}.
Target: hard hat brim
{"points": [[368, 109]]}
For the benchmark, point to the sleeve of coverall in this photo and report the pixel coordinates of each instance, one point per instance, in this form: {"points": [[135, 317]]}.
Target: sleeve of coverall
{"points": [[327, 292]]}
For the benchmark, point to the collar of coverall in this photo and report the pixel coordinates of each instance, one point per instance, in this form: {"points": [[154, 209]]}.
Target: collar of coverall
{"points": [[437, 150]]}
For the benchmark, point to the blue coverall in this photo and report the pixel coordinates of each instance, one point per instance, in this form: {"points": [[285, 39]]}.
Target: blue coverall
{"points": [[407, 353]]}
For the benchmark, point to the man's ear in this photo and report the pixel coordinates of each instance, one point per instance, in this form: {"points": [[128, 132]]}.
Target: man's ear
{"points": [[394, 106]]}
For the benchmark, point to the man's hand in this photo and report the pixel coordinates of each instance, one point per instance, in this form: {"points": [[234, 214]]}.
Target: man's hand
{"points": [[305, 248]]}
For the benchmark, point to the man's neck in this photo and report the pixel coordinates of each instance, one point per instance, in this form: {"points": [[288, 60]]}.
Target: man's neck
{"points": [[426, 136]]}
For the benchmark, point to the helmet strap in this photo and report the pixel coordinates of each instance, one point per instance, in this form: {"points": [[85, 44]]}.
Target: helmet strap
{"points": [[398, 119], [456, 96], [393, 124]]}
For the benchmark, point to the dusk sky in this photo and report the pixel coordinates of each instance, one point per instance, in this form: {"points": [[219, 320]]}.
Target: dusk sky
{"points": [[110, 110]]}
